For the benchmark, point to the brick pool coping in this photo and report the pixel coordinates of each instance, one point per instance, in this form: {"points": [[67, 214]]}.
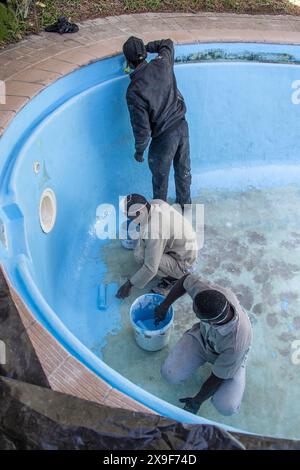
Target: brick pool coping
{"points": [[32, 64]]}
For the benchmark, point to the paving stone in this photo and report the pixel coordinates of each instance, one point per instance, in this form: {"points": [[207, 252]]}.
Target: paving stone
{"points": [[182, 36], [103, 21], [76, 56], [171, 23], [12, 68], [152, 16], [25, 315], [55, 65], [34, 58], [3, 72], [285, 36], [154, 25], [294, 26], [35, 75], [116, 399], [50, 353], [104, 48], [98, 49], [24, 50], [13, 103], [10, 55], [129, 31], [210, 35], [94, 37], [6, 117], [114, 19], [74, 378], [166, 34], [4, 61], [16, 88], [127, 17]]}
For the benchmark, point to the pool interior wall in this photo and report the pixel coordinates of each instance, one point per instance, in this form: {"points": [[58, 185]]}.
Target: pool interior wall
{"points": [[244, 130]]}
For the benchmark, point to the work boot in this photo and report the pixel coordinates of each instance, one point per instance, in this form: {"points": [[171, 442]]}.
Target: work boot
{"points": [[164, 286]]}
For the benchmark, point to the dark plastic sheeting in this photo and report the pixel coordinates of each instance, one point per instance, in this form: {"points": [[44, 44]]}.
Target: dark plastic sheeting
{"points": [[32, 417]]}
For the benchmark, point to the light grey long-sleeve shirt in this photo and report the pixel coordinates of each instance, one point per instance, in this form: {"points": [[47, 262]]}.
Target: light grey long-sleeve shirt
{"points": [[165, 232], [225, 346]]}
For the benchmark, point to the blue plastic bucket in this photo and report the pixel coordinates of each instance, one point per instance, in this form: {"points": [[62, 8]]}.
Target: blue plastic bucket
{"points": [[147, 335]]}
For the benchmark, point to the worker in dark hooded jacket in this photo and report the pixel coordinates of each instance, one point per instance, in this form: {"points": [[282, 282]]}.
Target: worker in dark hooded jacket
{"points": [[157, 110]]}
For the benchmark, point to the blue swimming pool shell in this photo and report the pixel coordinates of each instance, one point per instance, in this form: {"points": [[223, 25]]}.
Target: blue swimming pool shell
{"points": [[244, 129]]}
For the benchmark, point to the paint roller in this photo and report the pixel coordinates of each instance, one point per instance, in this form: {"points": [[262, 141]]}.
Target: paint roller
{"points": [[102, 296]]}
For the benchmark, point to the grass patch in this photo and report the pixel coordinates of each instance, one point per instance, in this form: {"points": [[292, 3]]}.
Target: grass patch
{"points": [[83, 9], [10, 26], [45, 12]]}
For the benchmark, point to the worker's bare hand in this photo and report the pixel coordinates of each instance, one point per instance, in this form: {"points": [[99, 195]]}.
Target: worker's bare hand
{"points": [[139, 157], [160, 313], [191, 404], [124, 290]]}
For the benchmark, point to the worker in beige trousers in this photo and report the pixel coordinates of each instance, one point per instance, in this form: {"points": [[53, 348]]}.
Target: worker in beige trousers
{"points": [[167, 245]]}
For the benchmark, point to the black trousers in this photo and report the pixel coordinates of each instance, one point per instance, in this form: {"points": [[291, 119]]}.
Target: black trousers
{"points": [[171, 146]]}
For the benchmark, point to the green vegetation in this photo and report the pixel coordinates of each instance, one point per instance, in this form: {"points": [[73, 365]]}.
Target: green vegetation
{"points": [[33, 15], [81, 9], [21, 8], [8, 24]]}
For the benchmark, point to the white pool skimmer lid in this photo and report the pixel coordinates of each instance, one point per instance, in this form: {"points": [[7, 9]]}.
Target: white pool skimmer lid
{"points": [[47, 210]]}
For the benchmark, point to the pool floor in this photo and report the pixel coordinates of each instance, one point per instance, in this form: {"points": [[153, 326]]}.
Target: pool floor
{"points": [[252, 245]]}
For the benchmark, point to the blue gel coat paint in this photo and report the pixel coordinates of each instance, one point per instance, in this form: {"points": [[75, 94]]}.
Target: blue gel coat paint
{"points": [[75, 138]]}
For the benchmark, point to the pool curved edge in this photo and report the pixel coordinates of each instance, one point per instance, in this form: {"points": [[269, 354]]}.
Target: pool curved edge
{"points": [[115, 390], [74, 369], [62, 356]]}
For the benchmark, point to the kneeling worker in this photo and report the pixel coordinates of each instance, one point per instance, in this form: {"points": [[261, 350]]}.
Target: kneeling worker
{"points": [[223, 338], [167, 245]]}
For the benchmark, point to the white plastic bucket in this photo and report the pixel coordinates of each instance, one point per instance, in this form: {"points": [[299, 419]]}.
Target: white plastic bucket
{"points": [[128, 242], [148, 336]]}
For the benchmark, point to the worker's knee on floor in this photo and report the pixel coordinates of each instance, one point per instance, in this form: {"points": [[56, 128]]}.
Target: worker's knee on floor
{"points": [[170, 374], [225, 407]]}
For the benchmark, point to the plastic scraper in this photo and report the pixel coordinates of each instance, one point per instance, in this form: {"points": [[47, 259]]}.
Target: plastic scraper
{"points": [[102, 296]]}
